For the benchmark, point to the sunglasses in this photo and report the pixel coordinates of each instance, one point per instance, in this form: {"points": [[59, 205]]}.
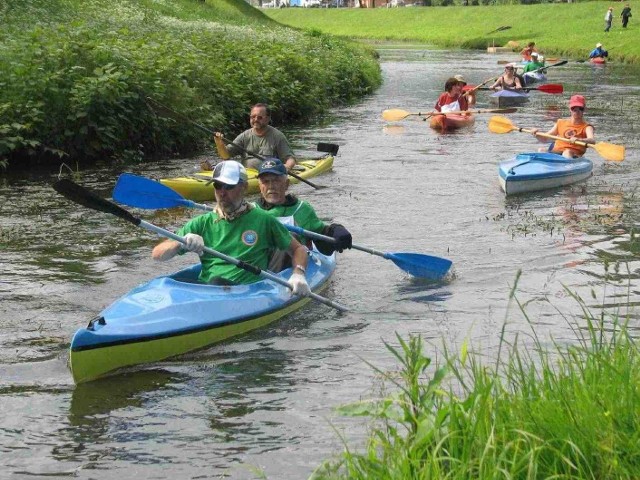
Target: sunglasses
{"points": [[508, 68], [223, 186], [580, 109], [257, 117]]}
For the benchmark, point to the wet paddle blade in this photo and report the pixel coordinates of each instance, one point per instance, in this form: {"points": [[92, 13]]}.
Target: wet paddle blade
{"points": [[421, 266], [89, 199], [395, 115], [143, 192], [609, 151], [498, 124]]}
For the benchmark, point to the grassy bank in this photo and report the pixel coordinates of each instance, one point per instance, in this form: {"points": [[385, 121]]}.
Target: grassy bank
{"points": [[563, 29], [551, 411], [75, 74]]}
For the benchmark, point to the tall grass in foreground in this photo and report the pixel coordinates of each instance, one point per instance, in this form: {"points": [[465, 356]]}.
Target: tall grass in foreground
{"points": [[569, 411]]}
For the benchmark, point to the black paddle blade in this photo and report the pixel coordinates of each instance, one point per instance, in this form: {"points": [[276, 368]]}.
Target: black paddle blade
{"points": [[331, 148], [89, 199]]}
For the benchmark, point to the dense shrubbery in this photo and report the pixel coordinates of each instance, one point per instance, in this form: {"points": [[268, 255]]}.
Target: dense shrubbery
{"points": [[548, 410], [74, 83]]}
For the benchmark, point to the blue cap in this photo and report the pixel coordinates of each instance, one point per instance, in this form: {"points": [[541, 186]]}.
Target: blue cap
{"points": [[272, 165]]}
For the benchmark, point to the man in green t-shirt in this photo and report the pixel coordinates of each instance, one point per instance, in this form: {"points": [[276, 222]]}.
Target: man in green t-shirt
{"points": [[238, 229], [261, 138], [274, 181]]}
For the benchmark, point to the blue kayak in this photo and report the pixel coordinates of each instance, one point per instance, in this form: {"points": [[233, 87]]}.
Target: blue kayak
{"points": [[170, 316], [506, 98], [530, 172]]}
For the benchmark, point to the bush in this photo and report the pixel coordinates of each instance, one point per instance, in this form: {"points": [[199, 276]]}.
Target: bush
{"points": [[75, 85]]}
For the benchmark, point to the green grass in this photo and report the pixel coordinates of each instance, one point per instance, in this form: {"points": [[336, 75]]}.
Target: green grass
{"points": [[549, 410], [75, 75], [561, 29]]}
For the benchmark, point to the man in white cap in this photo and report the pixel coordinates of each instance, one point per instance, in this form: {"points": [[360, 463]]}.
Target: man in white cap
{"points": [[237, 229], [598, 52]]}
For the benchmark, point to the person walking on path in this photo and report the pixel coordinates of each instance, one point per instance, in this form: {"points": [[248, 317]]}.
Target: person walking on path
{"points": [[626, 13], [608, 18]]}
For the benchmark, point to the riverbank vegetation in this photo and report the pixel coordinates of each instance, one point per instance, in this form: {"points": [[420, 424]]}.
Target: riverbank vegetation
{"points": [[547, 410], [75, 75], [559, 29]]}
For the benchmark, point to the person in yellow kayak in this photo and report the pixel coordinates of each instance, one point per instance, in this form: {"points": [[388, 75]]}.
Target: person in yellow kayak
{"points": [[574, 128], [274, 182], [261, 138], [237, 229], [508, 80], [452, 99]]}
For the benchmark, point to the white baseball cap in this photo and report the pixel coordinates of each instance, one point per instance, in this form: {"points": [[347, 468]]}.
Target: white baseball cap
{"points": [[230, 172]]}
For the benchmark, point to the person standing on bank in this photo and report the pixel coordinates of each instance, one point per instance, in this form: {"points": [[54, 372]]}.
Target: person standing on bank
{"points": [[608, 18], [237, 229], [274, 182], [626, 13], [261, 138], [574, 128]]}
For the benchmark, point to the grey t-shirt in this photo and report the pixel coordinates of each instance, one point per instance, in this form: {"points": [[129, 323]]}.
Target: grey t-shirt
{"points": [[272, 144]]}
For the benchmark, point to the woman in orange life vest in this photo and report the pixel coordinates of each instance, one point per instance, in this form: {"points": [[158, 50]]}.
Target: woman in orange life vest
{"points": [[527, 51], [574, 128]]}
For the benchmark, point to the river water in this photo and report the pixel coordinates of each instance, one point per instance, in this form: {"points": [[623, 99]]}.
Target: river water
{"points": [[264, 402]]}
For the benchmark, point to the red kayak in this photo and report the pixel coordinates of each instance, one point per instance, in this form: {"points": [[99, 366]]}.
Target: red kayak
{"points": [[597, 61], [451, 122]]}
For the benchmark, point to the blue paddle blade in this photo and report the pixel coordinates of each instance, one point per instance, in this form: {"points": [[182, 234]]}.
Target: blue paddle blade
{"points": [[419, 265], [142, 192]]}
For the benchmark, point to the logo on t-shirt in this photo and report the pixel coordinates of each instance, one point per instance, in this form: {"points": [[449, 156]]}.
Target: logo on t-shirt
{"points": [[569, 133], [249, 237]]}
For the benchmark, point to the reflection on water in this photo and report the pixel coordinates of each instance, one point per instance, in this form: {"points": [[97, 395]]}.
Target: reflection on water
{"points": [[263, 402]]}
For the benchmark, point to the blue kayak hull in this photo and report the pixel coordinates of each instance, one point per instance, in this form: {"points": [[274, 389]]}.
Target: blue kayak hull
{"points": [[531, 172], [169, 316]]}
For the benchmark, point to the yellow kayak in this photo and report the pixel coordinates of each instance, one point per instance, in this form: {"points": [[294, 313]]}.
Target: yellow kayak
{"points": [[194, 187]]}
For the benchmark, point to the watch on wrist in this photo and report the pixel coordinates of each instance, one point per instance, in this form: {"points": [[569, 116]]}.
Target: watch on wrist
{"points": [[301, 268]]}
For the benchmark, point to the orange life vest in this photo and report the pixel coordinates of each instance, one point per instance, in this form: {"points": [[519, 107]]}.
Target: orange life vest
{"points": [[566, 129]]}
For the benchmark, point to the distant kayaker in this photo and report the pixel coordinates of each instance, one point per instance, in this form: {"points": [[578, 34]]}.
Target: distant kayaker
{"points": [[274, 182], [468, 91], [452, 99], [261, 138], [508, 80], [238, 229], [598, 52], [527, 51], [626, 13], [574, 128], [534, 64]]}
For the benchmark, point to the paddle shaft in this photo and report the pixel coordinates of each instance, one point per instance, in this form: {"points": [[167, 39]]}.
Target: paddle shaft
{"points": [[554, 137], [326, 238], [211, 132]]}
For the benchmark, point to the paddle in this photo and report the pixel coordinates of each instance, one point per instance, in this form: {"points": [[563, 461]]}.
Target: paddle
{"points": [[499, 29], [554, 88], [608, 151], [396, 114], [504, 62], [143, 192], [87, 198], [211, 132]]}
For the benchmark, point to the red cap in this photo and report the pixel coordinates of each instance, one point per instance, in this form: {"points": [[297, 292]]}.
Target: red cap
{"points": [[577, 101]]}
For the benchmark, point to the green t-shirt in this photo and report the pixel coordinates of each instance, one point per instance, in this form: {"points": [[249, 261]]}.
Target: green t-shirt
{"points": [[304, 216], [531, 66], [252, 238], [272, 144]]}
